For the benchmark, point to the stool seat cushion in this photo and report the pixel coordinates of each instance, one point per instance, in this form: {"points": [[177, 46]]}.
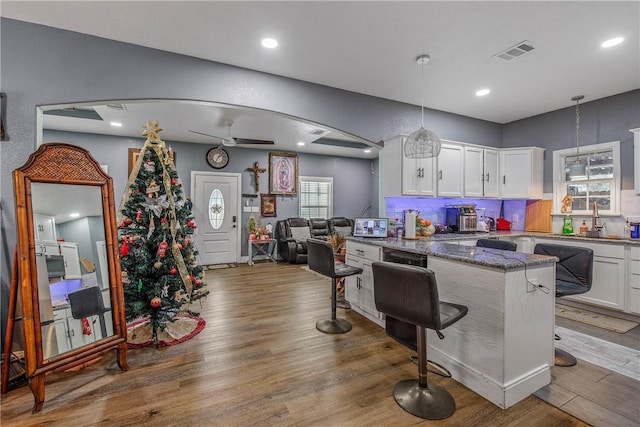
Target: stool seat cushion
{"points": [[343, 270], [568, 288], [450, 313]]}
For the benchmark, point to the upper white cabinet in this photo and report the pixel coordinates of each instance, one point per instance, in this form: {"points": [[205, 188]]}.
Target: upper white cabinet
{"points": [[522, 173], [69, 252], [418, 175], [450, 170], [481, 172], [45, 228], [636, 158]]}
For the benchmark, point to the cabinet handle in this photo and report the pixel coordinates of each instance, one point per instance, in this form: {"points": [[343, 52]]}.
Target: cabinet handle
{"points": [[487, 176], [440, 174], [40, 227], [504, 179], [359, 252]]}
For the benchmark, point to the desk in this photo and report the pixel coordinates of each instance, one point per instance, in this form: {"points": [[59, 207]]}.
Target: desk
{"points": [[263, 248]]}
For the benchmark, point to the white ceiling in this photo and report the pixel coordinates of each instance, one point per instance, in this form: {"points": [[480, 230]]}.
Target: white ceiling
{"points": [[370, 47]]}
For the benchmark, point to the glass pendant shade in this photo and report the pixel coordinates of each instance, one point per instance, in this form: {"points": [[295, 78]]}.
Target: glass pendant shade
{"points": [[578, 169], [422, 144]]}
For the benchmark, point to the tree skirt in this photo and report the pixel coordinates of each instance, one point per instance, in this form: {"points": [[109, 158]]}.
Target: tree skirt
{"points": [[184, 327]]}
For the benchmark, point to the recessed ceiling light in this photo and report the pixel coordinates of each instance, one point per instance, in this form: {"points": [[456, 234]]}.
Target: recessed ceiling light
{"points": [[300, 143], [612, 42], [270, 43], [74, 215], [116, 124], [483, 92], [368, 150]]}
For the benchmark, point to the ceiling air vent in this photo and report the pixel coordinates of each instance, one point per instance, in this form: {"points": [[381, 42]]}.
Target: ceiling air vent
{"points": [[120, 107], [515, 51], [317, 132]]}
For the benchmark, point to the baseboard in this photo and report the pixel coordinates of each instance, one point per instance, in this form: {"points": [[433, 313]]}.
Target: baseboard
{"points": [[501, 395], [599, 310]]}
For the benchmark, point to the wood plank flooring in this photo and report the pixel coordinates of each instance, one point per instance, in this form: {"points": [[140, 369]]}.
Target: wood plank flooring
{"points": [[260, 361]]}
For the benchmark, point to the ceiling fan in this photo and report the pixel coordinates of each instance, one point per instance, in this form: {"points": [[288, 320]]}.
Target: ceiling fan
{"points": [[229, 141]]}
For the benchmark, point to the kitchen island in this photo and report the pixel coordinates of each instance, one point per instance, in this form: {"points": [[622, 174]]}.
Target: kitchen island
{"points": [[503, 349]]}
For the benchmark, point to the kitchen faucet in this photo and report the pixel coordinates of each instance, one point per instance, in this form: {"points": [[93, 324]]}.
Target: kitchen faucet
{"points": [[594, 219]]}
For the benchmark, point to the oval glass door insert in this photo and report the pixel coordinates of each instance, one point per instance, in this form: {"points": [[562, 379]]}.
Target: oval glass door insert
{"points": [[216, 209]]}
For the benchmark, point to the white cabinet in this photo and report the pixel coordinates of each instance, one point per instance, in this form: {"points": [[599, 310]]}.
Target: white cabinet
{"points": [[418, 176], [359, 288], [47, 248], [76, 334], [451, 170], [481, 172], [633, 280], [45, 228], [636, 161], [608, 284], [62, 330], [522, 173], [69, 251]]}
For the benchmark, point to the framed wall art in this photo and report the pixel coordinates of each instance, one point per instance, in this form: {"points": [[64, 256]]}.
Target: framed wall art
{"points": [[283, 174], [267, 205], [134, 153]]}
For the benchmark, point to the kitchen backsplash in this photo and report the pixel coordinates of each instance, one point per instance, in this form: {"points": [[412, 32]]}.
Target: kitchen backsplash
{"points": [[514, 211]]}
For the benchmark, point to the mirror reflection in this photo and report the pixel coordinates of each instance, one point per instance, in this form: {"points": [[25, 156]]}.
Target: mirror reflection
{"points": [[72, 269]]}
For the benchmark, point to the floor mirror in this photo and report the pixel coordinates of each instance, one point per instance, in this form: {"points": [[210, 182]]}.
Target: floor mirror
{"points": [[67, 272]]}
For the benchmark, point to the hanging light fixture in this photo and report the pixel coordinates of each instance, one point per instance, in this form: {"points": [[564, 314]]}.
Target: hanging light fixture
{"points": [[422, 143], [579, 167]]}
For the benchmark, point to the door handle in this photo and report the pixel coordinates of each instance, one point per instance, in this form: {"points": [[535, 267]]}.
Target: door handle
{"points": [[504, 179], [487, 177], [440, 174]]}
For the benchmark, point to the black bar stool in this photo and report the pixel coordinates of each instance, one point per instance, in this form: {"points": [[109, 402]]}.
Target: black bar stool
{"points": [[574, 274], [410, 293], [88, 302], [322, 260]]}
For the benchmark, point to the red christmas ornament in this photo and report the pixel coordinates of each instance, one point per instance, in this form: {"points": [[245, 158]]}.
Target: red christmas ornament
{"points": [[173, 270], [191, 223], [162, 249], [156, 302], [125, 222], [192, 277], [173, 181], [139, 215], [124, 249], [185, 241]]}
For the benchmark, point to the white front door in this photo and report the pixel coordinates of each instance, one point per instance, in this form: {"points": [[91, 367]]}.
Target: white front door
{"points": [[216, 207]]}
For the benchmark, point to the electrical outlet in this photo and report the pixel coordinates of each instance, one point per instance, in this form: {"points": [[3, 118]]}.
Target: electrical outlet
{"points": [[515, 218], [532, 285]]}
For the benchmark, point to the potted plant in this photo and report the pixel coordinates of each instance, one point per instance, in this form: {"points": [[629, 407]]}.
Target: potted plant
{"points": [[252, 227]]}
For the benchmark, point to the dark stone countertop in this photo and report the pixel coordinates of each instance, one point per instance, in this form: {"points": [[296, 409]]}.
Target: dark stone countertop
{"points": [[439, 247]]}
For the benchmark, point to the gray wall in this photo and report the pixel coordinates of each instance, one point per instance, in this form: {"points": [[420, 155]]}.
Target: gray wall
{"points": [[604, 120]]}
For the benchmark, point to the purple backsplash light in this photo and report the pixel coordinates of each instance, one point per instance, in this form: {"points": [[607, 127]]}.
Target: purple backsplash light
{"points": [[434, 208]]}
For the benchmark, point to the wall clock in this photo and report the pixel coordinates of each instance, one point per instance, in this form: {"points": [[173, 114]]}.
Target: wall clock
{"points": [[217, 158]]}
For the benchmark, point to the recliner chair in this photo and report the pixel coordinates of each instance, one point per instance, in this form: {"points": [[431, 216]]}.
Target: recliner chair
{"points": [[341, 225], [292, 235], [319, 228]]}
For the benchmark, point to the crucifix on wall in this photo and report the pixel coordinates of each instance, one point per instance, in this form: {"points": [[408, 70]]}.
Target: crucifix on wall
{"points": [[256, 169]]}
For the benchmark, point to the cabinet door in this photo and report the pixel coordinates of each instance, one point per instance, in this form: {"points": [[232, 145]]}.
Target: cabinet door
{"points": [[516, 174], [451, 170], [71, 260], [77, 336], [607, 289], [367, 301], [352, 283], [418, 176], [47, 248], [473, 172], [62, 335], [45, 228], [491, 173]]}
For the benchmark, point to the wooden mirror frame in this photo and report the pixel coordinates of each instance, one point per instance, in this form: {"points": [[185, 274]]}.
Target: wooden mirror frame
{"points": [[59, 163]]}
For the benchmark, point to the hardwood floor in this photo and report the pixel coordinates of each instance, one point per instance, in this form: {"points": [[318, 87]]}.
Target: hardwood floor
{"points": [[260, 361]]}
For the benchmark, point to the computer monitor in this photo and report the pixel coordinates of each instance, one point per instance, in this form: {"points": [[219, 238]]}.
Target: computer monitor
{"points": [[371, 227]]}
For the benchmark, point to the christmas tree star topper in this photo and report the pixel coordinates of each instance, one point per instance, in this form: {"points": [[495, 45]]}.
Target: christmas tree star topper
{"points": [[151, 131]]}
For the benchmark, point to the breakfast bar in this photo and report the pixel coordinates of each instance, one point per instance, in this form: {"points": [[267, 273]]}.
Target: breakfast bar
{"points": [[504, 348]]}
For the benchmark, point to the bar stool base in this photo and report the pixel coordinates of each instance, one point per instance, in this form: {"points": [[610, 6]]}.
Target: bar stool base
{"points": [[337, 326], [432, 403], [564, 359]]}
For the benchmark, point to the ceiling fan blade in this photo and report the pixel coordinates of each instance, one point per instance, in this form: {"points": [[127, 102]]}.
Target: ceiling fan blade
{"points": [[247, 141], [206, 134]]}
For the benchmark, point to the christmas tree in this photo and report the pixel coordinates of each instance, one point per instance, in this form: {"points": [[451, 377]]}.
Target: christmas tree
{"points": [[161, 276]]}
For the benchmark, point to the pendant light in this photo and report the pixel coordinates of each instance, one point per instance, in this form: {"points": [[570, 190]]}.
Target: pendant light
{"points": [[579, 167], [422, 143]]}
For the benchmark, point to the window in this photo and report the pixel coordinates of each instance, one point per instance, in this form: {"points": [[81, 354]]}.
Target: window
{"points": [[216, 209], [600, 184], [316, 197]]}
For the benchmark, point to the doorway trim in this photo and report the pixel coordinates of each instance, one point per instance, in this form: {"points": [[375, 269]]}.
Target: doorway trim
{"points": [[238, 206]]}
